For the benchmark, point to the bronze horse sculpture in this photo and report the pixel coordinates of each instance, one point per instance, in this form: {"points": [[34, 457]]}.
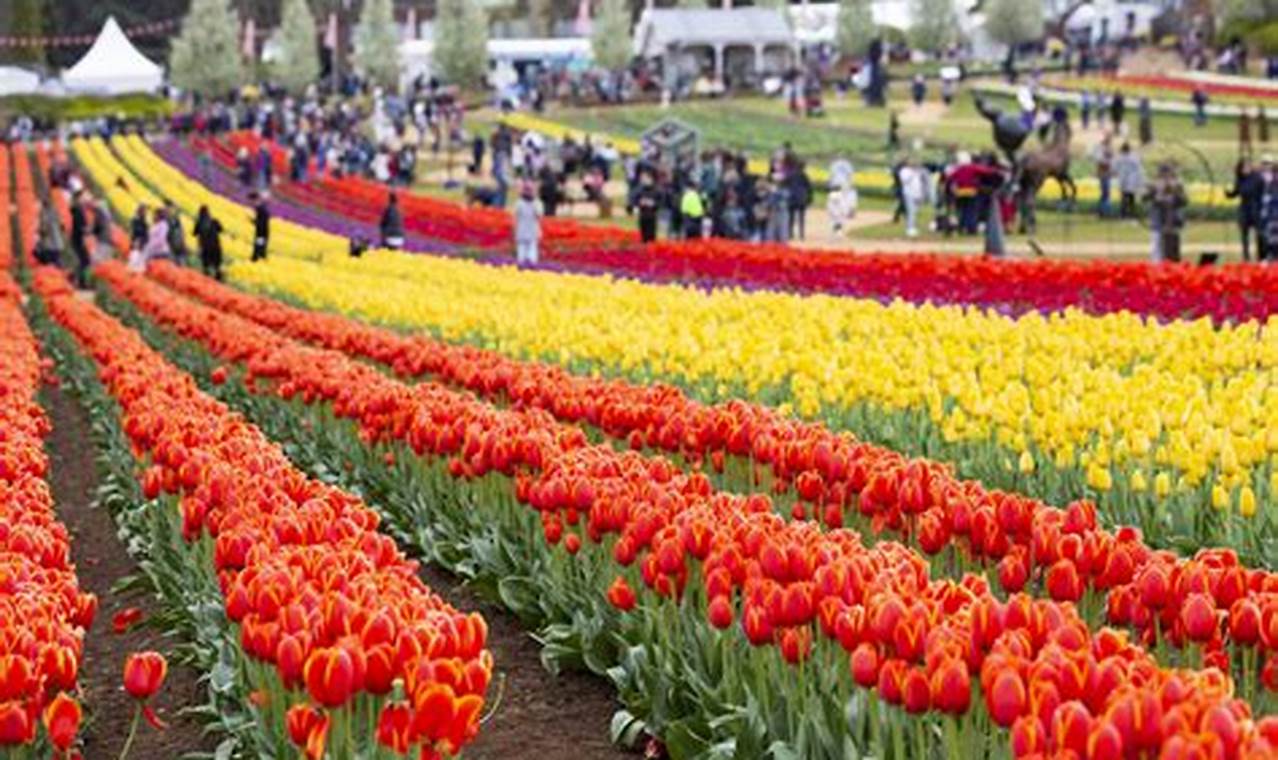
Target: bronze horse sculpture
{"points": [[1049, 162]]}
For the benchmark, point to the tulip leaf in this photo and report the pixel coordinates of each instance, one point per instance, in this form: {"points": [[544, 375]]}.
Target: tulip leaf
{"points": [[626, 729], [222, 678], [226, 749]]}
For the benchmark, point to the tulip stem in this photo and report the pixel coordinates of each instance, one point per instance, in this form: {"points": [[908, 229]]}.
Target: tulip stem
{"points": [[133, 732]]}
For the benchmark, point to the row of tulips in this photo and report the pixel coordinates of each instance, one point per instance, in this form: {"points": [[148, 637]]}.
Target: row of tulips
{"points": [[1139, 413], [344, 644], [25, 203], [45, 614], [1062, 549], [431, 217], [1158, 85], [923, 645], [1231, 293]]}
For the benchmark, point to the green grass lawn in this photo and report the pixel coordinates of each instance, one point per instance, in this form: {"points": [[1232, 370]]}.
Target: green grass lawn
{"points": [[759, 125]]}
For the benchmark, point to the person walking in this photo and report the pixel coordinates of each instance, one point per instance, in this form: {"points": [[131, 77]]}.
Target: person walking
{"points": [[1167, 201], [208, 233], [49, 241], [391, 225], [1117, 109], [1268, 248], [799, 192], [1248, 189], [527, 227], [918, 89], [261, 226], [138, 228], [1131, 180], [79, 239]]}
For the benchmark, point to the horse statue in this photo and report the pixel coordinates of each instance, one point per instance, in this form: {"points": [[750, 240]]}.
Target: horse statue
{"points": [[1037, 166]]}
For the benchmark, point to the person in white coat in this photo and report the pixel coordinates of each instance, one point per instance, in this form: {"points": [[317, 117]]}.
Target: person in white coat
{"points": [[914, 193], [527, 227]]}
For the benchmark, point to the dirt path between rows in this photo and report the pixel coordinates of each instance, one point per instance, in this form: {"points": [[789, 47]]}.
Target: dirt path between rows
{"points": [[541, 716], [100, 562]]}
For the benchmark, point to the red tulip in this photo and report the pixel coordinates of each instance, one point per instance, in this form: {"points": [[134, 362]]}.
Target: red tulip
{"points": [[1063, 582], [125, 619], [1012, 573], [1198, 616], [865, 665], [951, 687], [916, 693], [621, 596], [144, 674], [395, 727], [796, 644], [330, 676], [17, 723], [1244, 622], [1155, 587], [1028, 736], [720, 612], [308, 729], [1006, 698], [1071, 727], [62, 721]]}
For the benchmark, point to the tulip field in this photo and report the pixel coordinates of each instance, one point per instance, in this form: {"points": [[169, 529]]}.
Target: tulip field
{"points": [[781, 504]]}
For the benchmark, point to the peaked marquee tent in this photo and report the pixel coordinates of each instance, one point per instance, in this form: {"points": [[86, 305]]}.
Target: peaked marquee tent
{"points": [[113, 66]]}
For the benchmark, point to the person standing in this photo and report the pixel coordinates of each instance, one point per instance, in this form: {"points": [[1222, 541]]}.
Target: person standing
{"points": [[176, 237], [1248, 189], [692, 210], [1146, 127], [1268, 247], [1085, 108], [208, 233], [391, 225], [527, 227], [918, 89], [776, 204], [548, 190], [1200, 107], [1167, 201], [914, 191], [1117, 109], [647, 203], [1104, 175], [79, 239], [799, 190], [261, 226], [101, 231], [49, 242], [1131, 180]]}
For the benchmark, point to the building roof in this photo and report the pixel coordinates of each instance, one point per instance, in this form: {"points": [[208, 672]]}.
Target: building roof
{"points": [[662, 28]]}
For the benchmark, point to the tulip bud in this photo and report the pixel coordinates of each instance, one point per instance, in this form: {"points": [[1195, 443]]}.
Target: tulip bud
{"points": [[144, 673]]}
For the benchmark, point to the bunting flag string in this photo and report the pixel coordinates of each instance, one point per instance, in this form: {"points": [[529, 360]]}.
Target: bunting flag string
{"points": [[149, 29]]}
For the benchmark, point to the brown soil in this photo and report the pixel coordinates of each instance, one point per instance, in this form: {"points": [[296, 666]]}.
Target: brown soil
{"points": [[541, 716], [101, 561]]}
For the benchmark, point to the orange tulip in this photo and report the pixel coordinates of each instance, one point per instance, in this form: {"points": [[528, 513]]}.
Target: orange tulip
{"points": [[330, 676]]}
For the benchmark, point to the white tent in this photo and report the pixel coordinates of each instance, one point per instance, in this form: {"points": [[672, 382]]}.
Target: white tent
{"points": [[18, 81], [113, 66]]}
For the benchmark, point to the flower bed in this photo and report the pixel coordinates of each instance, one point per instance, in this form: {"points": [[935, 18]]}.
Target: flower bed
{"points": [[339, 637], [672, 529]]}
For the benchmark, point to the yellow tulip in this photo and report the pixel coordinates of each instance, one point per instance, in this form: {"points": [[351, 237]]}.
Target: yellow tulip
{"points": [[1219, 498], [1026, 465], [1162, 485], [1246, 502], [1137, 482], [1099, 478]]}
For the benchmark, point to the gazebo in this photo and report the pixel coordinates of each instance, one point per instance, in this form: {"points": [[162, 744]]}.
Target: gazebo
{"points": [[669, 32]]}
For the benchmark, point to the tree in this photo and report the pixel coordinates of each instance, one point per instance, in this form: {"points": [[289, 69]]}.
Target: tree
{"points": [[610, 39], [1012, 22], [936, 25], [377, 44], [856, 28], [28, 21], [461, 42], [298, 64], [206, 55], [539, 17]]}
